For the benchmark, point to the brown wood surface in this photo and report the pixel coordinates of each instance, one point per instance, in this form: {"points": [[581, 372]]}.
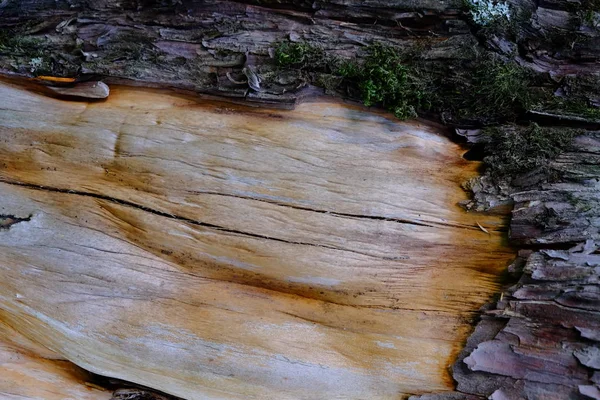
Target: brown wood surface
{"points": [[541, 339], [215, 48], [30, 371], [218, 251]]}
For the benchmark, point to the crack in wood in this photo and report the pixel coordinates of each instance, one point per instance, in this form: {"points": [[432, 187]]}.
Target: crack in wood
{"points": [[7, 221], [431, 224], [188, 220], [139, 394]]}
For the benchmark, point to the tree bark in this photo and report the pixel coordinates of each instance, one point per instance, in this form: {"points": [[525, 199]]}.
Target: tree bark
{"points": [[341, 217]]}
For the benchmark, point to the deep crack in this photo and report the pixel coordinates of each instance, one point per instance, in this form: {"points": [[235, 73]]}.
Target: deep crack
{"points": [[180, 218], [6, 221]]}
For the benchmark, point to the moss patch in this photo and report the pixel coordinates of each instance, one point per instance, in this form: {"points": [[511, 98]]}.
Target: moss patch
{"points": [[579, 108], [386, 79], [501, 87], [13, 43], [577, 96], [515, 150], [487, 89], [302, 55]]}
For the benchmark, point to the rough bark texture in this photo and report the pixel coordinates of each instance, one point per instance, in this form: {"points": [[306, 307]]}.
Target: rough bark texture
{"points": [[209, 47], [540, 340], [225, 48]]}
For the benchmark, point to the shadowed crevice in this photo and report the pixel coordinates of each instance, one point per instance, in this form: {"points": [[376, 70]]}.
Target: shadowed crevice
{"points": [[7, 221]]}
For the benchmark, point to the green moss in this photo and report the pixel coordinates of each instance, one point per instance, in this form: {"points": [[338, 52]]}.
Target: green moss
{"points": [[500, 87], [487, 90], [301, 55], [575, 99], [578, 108], [382, 78], [16, 44], [385, 79], [482, 89], [516, 150]]}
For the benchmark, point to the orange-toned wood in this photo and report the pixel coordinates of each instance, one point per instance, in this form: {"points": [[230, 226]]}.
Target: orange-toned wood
{"points": [[222, 252], [29, 371]]}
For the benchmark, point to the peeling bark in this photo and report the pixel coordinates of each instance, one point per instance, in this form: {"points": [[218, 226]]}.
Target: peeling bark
{"points": [[539, 340]]}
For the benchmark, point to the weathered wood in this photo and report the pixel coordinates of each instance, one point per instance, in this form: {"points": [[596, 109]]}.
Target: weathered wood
{"points": [[225, 49], [207, 251], [30, 371], [212, 47], [540, 339]]}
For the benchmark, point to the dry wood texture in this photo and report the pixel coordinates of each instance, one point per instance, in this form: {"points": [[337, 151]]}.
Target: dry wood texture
{"points": [[219, 251], [541, 340], [29, 371]]}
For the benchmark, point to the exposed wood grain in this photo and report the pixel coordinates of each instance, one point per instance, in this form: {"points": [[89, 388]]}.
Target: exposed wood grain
{"points": [[207, 48], [540, 341], [30, 371], [213, 251]]}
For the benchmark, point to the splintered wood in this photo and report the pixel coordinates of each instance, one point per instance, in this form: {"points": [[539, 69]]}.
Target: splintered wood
{"points": [[214, 251]]}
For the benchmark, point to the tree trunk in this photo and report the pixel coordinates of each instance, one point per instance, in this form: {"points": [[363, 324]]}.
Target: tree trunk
{"points": [[259, 258], [217, 250]]}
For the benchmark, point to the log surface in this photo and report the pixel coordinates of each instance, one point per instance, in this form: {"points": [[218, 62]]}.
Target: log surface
{"points": [[30, 371], [218, 251], [215, 48], [540, 341]]}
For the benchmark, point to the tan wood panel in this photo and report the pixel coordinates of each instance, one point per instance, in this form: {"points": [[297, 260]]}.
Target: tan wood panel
{"points": [[218, 251]]}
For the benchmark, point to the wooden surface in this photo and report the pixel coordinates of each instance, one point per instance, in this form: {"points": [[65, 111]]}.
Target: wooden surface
{"points": [[541, 339], [29, 371], [217, 251]]}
